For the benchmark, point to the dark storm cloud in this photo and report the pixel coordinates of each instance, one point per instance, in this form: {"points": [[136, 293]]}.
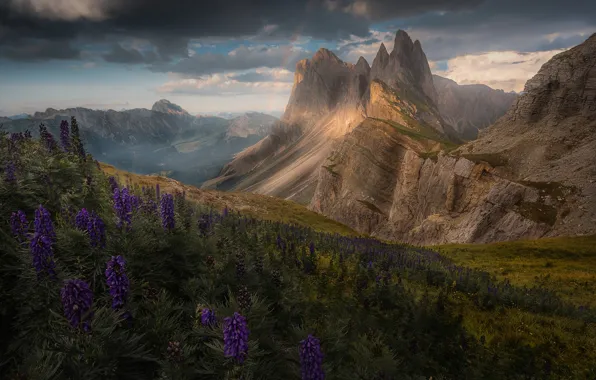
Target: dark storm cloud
{"points": [[170, 24], [505, 25], [118, 54], [243, 58]]}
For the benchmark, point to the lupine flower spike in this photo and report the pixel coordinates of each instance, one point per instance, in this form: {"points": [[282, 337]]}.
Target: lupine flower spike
{"points": [[236, 332], [311, 359], [77, 299]]}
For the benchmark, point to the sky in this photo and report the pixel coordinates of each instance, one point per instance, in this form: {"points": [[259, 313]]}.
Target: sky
{"points": [[238, 55]]}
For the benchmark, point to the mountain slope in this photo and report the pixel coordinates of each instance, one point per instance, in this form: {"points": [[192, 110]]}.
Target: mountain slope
{"points": [[470, 108], [165, 139], [329, 99], [529, 175]]}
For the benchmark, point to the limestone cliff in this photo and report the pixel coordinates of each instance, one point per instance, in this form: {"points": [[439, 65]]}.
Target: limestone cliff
{"points": [[532, 174], [470, 108], [329, 98]]}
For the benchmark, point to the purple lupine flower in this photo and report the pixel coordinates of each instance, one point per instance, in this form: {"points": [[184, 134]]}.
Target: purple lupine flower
{"points": [[96, 229], [77, 299], [236, 332], [43, 223], [225, 211], [149, 206], [19, 225], [113, 184], [65, 135], [134, 202], [47, 138], [42, 254], [167, 212], [9, 172], [117, 281], [311, 359], [82, 219], [208, 317], [311, 247], [122, 206], [157, 195]]}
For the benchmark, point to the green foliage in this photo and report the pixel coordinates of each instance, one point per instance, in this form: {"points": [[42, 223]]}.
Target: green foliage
{"points": [[380, 311]]}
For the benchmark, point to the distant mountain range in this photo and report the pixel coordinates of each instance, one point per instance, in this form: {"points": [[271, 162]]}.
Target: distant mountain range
{"points": [[382, 149], [165, 139]]}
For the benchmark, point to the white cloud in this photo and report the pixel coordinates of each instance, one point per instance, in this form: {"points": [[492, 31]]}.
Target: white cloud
{"points": [[68, 10], [259, 81], [506, 70], [356, 47]]}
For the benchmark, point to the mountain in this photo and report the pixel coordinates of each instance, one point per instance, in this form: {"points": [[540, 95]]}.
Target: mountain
{"points": [[529, 175], [165, 106], [165, 139], [329, 99], [19, 116], [470, 108]]}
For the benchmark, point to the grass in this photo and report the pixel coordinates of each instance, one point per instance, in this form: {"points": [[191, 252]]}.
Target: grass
{"points": [[256, 205], [566, 265]]}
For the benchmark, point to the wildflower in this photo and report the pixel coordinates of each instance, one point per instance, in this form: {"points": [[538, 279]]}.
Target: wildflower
{"points": [[117, 281], [157, 195], [77, 299], [259, 264], [65, 135], [28, 135], [43, 223], [174, 352], [76, 142], [149, 206], [244, 299], [9, 172], [47, 138], [240, 267], [96, 229], [134, 202], [167, 212], [113, 184], [311, 359], [311, 248], [18, 225], [122, 206], [42, 254], [236, 332], [208, 317], [82, 219]]}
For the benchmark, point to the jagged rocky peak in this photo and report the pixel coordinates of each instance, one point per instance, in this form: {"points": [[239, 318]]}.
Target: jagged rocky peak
{"points": [[325, 55], [406, 65], [362, 66], [165, 106]]}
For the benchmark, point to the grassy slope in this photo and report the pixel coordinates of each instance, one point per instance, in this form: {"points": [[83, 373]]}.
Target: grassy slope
{"points": [[566, 265], [262, 206]]}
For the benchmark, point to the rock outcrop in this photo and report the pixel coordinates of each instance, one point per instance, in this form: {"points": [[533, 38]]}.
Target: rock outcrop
{"points": [[470, 108], [531, 174], [329, 99]]}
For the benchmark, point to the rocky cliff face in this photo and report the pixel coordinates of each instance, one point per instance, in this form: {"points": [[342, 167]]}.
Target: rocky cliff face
{"points": [[529, 175], [329, 99], [470, 108]]}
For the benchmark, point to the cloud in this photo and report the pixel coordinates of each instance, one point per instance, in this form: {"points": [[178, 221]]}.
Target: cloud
{"points": [[507, 70], [241, 58], [261, 81], [68, 10]]}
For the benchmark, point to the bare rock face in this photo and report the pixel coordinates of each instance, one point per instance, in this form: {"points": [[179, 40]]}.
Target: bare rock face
{"points": [[531, 174], [470, 108], [406, 65], [249, 124]]}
